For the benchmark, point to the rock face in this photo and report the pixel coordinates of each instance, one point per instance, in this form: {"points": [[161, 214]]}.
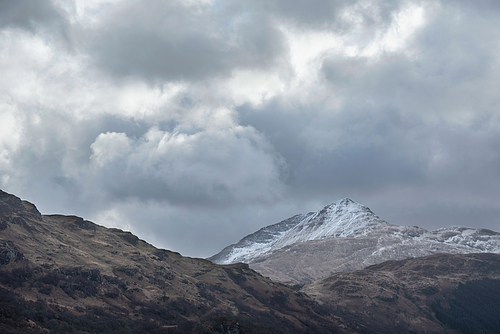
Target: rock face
{"points": [[345, 236]]}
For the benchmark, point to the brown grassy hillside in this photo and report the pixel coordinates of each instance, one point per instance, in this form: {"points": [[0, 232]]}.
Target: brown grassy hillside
{"points": [[65, 265]]}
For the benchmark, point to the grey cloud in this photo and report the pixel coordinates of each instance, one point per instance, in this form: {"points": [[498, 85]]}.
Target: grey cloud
{"points": [[310, 12], [458, 46], [54, 151], [422, 122], [260, 43], [282, 126], [481, 6], [33, 16], [453, 51], [168, 41], [346, 150], [409, 171], [27, 14], [324, 14], [418, 209], [153, 56], [328, 14]]}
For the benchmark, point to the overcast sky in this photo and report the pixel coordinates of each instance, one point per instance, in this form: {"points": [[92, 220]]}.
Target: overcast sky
{"points": [[193, 123]]}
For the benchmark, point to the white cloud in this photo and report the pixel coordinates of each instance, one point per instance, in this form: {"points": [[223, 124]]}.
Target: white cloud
{"points": [[109, 146], [210, 165], [404, 26]]}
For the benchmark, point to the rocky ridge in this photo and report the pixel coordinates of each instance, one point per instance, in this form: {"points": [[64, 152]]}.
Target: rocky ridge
{"points": [[343, 218]]}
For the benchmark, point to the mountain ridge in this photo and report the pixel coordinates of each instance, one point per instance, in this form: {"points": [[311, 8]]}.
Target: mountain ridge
{"points": [[440, 293], [347, 236]]}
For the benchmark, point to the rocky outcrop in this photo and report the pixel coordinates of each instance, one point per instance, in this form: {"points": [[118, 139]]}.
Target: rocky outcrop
{"points": [[9, 252]]}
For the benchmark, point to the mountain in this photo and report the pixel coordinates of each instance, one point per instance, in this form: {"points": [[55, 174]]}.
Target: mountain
{"points": [[345, 236], [62, 274], [340, 219]]}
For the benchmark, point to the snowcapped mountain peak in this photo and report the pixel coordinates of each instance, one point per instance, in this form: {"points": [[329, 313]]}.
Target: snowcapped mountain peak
{"points": [[345, 201], [345, 206], [348, 205], [342, 218]]}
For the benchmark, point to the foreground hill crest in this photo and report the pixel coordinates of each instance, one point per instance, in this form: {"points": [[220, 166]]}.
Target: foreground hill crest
{"points": [[67, 274]]}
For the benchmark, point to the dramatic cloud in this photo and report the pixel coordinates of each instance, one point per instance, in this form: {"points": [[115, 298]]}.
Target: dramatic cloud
{"points": [[194, 123], [207, 167], [182, 41]]}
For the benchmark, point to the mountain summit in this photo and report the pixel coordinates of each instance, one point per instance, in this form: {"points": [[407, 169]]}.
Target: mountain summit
{"points": [[343, 236], [344, 218]]}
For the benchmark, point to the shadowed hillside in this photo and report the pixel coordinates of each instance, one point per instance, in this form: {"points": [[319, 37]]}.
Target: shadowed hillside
{"points": [[64, 273]]}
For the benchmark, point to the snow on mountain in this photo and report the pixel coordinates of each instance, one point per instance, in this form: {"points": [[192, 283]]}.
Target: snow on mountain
{"points": [[340, 219], [304, 262], [343, 218], [258, 243], [348, 221]]}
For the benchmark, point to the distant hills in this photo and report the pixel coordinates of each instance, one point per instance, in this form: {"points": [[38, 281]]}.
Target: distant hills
{"points": [[62, 274], [345, 236]]}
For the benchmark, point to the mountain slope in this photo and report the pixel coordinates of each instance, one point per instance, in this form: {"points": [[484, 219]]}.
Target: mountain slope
{"points": [[420, 295], [64, 274], [307, 261], [348, 236], [257, 243]]}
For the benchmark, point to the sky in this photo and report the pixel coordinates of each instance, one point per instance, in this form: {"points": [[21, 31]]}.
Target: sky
{"points": [[193, 123]]}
